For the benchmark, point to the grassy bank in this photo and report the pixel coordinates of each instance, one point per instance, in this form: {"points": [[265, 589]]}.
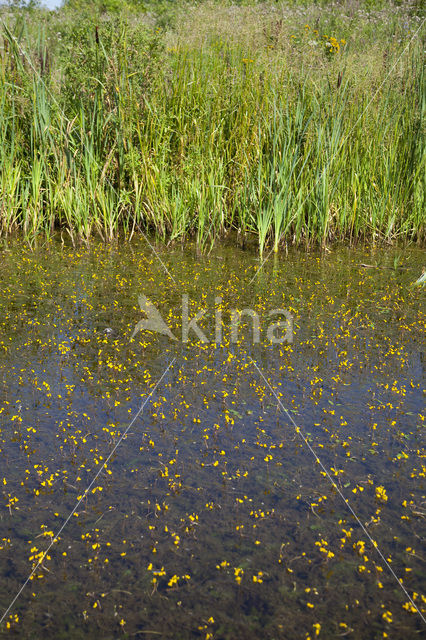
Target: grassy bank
{"points": [[290, 123]]}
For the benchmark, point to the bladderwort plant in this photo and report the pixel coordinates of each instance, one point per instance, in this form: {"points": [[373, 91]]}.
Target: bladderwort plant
{"points": [[228, 119]]}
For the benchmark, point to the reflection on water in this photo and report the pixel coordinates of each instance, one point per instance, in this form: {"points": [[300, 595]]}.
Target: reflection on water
{"points": [[212, 519]]}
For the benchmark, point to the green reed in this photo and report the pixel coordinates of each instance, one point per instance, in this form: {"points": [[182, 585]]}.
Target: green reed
{"points": [[121, 128]]}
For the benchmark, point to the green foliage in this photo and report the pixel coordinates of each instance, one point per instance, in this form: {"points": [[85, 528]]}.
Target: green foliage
{"points": [[256, 119]]}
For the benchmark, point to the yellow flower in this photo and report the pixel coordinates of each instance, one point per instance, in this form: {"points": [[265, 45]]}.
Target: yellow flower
{"points": [[381, 494], [238, 574], [387, 616]]}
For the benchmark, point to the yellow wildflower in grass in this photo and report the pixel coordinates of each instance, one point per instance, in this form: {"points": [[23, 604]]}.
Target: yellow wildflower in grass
{"points": [[332, 45]]}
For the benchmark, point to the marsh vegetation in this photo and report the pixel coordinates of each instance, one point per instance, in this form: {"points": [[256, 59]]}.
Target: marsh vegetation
{"points": [[285, 123]]}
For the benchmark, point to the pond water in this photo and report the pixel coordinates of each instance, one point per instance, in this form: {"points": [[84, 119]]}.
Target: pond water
{"points": [[263, 489]]}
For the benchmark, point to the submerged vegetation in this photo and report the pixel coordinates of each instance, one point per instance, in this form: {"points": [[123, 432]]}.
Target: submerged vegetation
{"points": [[284, 123], [213, 519]]}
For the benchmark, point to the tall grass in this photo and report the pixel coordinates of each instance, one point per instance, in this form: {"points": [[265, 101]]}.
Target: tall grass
{"points": [[235, 119]]}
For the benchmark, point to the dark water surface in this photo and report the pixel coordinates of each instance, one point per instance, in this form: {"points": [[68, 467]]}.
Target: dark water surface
{"points": [[215, 518]]}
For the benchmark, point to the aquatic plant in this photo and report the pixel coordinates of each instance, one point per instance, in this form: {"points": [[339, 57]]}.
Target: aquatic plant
{"points": [[212, 517]]}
